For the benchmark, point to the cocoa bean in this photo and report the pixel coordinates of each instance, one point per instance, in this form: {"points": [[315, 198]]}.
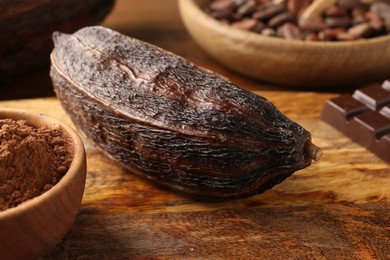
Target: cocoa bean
{"points": [[221, 9], [267, 13], [316, 24], [249, 25], [247, 8], [363, 30], [239, 2], [221, 14], [290, 31], [336, 11], [222, 5], [282, 18], [348, 4], [337, 22]]}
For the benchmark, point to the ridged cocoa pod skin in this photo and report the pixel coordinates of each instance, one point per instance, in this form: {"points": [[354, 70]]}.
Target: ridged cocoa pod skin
{"points": [[171, 121], [26, 28]]}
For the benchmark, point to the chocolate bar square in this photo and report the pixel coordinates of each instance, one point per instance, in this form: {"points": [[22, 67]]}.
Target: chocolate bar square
{"points": [[364, 117]]}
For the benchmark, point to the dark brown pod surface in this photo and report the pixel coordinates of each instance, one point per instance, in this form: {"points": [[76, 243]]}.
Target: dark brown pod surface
{"points": [[26, 28], [171, 121]]}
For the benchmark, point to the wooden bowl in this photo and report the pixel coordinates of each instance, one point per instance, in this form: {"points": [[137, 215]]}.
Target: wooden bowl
{"points": [[32, 228], [287, 62]]}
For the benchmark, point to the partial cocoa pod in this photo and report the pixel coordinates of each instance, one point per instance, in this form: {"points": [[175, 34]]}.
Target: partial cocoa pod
{"points": [[171, 121], [26, 28]]}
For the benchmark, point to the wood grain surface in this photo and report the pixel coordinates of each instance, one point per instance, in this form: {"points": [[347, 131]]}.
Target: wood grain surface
{"points": [[338, 208]]}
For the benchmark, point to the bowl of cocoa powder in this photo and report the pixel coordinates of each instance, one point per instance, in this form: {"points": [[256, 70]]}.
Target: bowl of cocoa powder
{"points": [[299, 43], [42, 179]]}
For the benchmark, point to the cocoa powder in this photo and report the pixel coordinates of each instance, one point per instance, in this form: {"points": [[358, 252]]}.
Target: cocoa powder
{"points": [[32, 160]]}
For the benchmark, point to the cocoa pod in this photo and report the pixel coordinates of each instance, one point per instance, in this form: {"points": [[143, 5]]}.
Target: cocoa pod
{"points": [[26, 28], [171, 121]]}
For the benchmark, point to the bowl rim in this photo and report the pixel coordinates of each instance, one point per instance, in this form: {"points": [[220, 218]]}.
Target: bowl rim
{"points": [[254, 38], [79, 158]]}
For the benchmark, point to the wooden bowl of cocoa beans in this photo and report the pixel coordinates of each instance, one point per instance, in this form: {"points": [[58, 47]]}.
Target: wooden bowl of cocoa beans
{"points": [[281, 42], [42, 179]]}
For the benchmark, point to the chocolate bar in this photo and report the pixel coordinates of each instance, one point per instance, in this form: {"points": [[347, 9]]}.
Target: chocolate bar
{"points": [[364, 117]]}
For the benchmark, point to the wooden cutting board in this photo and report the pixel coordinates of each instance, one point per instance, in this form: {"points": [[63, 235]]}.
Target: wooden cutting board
{"points": [[338, 208]]}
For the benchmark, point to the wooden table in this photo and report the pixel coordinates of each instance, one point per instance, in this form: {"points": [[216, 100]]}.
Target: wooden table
{"points": [[338, 208]]}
